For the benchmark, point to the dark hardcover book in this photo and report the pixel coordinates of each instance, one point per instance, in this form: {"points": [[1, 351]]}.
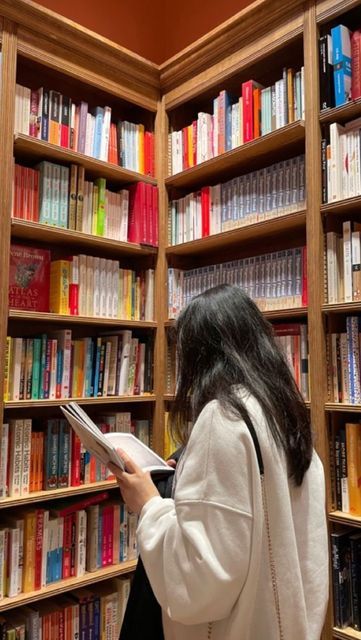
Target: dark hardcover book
{"points": [[101, 370], [45, 116], [341, 574], [326, 73], [97, 630], [65, 122], [355, 548], [120, 150]]}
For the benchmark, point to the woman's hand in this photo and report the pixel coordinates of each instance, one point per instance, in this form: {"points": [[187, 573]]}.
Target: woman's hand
{"points": [[136, 486]]}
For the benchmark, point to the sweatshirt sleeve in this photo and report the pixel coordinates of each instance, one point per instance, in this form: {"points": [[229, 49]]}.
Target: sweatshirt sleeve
{"points": [[196, 548]]}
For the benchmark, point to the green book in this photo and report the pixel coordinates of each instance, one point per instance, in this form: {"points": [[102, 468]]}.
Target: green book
{"points": [[35, 378], [100, 219]]}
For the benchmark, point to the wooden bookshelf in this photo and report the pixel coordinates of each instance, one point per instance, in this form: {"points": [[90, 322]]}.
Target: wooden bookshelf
{"points": [[275, 314], [261, 150], [67, 237], [346, 634], [342, 307], [33, 316], [341, 207], [265, 229], [32, 404], [345, 518], [56, 494], [62, 586], [341, 114], [342, 407], [34, 149]]}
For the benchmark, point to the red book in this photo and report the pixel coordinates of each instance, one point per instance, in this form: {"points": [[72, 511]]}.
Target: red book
{"points": [[39, 533], [82, 504], [356, 65], [205, 211], [136, 211], [73, 545], [61, 628], [75, 460], [67, 547], [248, 109], [257, 112], [148, 152], [35, 207], [287, 329], [194, 140], [29, 278], [104, 515], [304, 277], [110, 533], [155, 216], [185, 148]]}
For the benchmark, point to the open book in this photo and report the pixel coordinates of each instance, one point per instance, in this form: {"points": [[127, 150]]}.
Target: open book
{"points": [[104, 445]]}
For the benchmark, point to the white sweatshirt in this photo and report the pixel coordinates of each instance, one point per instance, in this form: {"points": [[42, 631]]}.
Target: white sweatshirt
{"points": [[206, 552]]}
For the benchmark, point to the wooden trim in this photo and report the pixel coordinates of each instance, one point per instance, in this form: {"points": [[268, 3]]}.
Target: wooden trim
{"points": [[7, 108], [346, 634], [34, 316], [62, 586], [342, 407], [327, 10], [344, 113], [56, 494], [264, 229], [258, 150], [224, 47], [38, 24], [29, 147], [276, 314], [342, 307], [32, 404], [345, 518], [348, 205], [68, 237]]}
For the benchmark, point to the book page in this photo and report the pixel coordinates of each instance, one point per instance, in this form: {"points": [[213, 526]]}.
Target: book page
{"points": [[144, 457]]}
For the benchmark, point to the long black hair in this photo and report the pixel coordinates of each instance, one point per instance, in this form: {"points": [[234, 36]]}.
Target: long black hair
{"points": [[224, 341]]}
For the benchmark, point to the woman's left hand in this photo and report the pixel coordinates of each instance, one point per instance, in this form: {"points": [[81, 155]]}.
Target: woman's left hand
{"points": [[136, 485]]}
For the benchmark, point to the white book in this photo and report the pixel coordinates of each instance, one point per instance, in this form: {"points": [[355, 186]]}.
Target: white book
{"points": [[103, 284], [124, 215], [82, 285], [3, 553], [26, 96], [347, 261], [109, 289], [105, 134], [331, 260], [25, 471], [89, 286], [13, 560], [18, 109], [92, 528], [89, 135], [215, 127], [4, 452], [149, 295], [105, 446], [81, 542], [15, 368], [344, 160], [335, 193], [132, 528], [240, 119], [96, 291]]}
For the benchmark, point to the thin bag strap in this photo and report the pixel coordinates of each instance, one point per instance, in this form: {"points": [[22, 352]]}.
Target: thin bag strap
{"points": [[272, 563]]}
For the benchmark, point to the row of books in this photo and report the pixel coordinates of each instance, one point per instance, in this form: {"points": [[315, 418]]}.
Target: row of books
{"points": [[346, 468], [83, 613], [237, 120], [292, 339], [275, 280], [55, 118], [48, 455], [341, 161], [340, 68], [60, 196], [343, 263], [346, 578], [343, 363], [57, 365], [79, 285], [260, 195], [41, 546]]}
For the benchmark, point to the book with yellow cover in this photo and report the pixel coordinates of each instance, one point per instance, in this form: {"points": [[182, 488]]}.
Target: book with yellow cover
{"points": [[353, 449], [59, 286]]}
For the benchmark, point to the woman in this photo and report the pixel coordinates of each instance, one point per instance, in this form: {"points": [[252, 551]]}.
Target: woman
{"points": [[240, 552]]}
